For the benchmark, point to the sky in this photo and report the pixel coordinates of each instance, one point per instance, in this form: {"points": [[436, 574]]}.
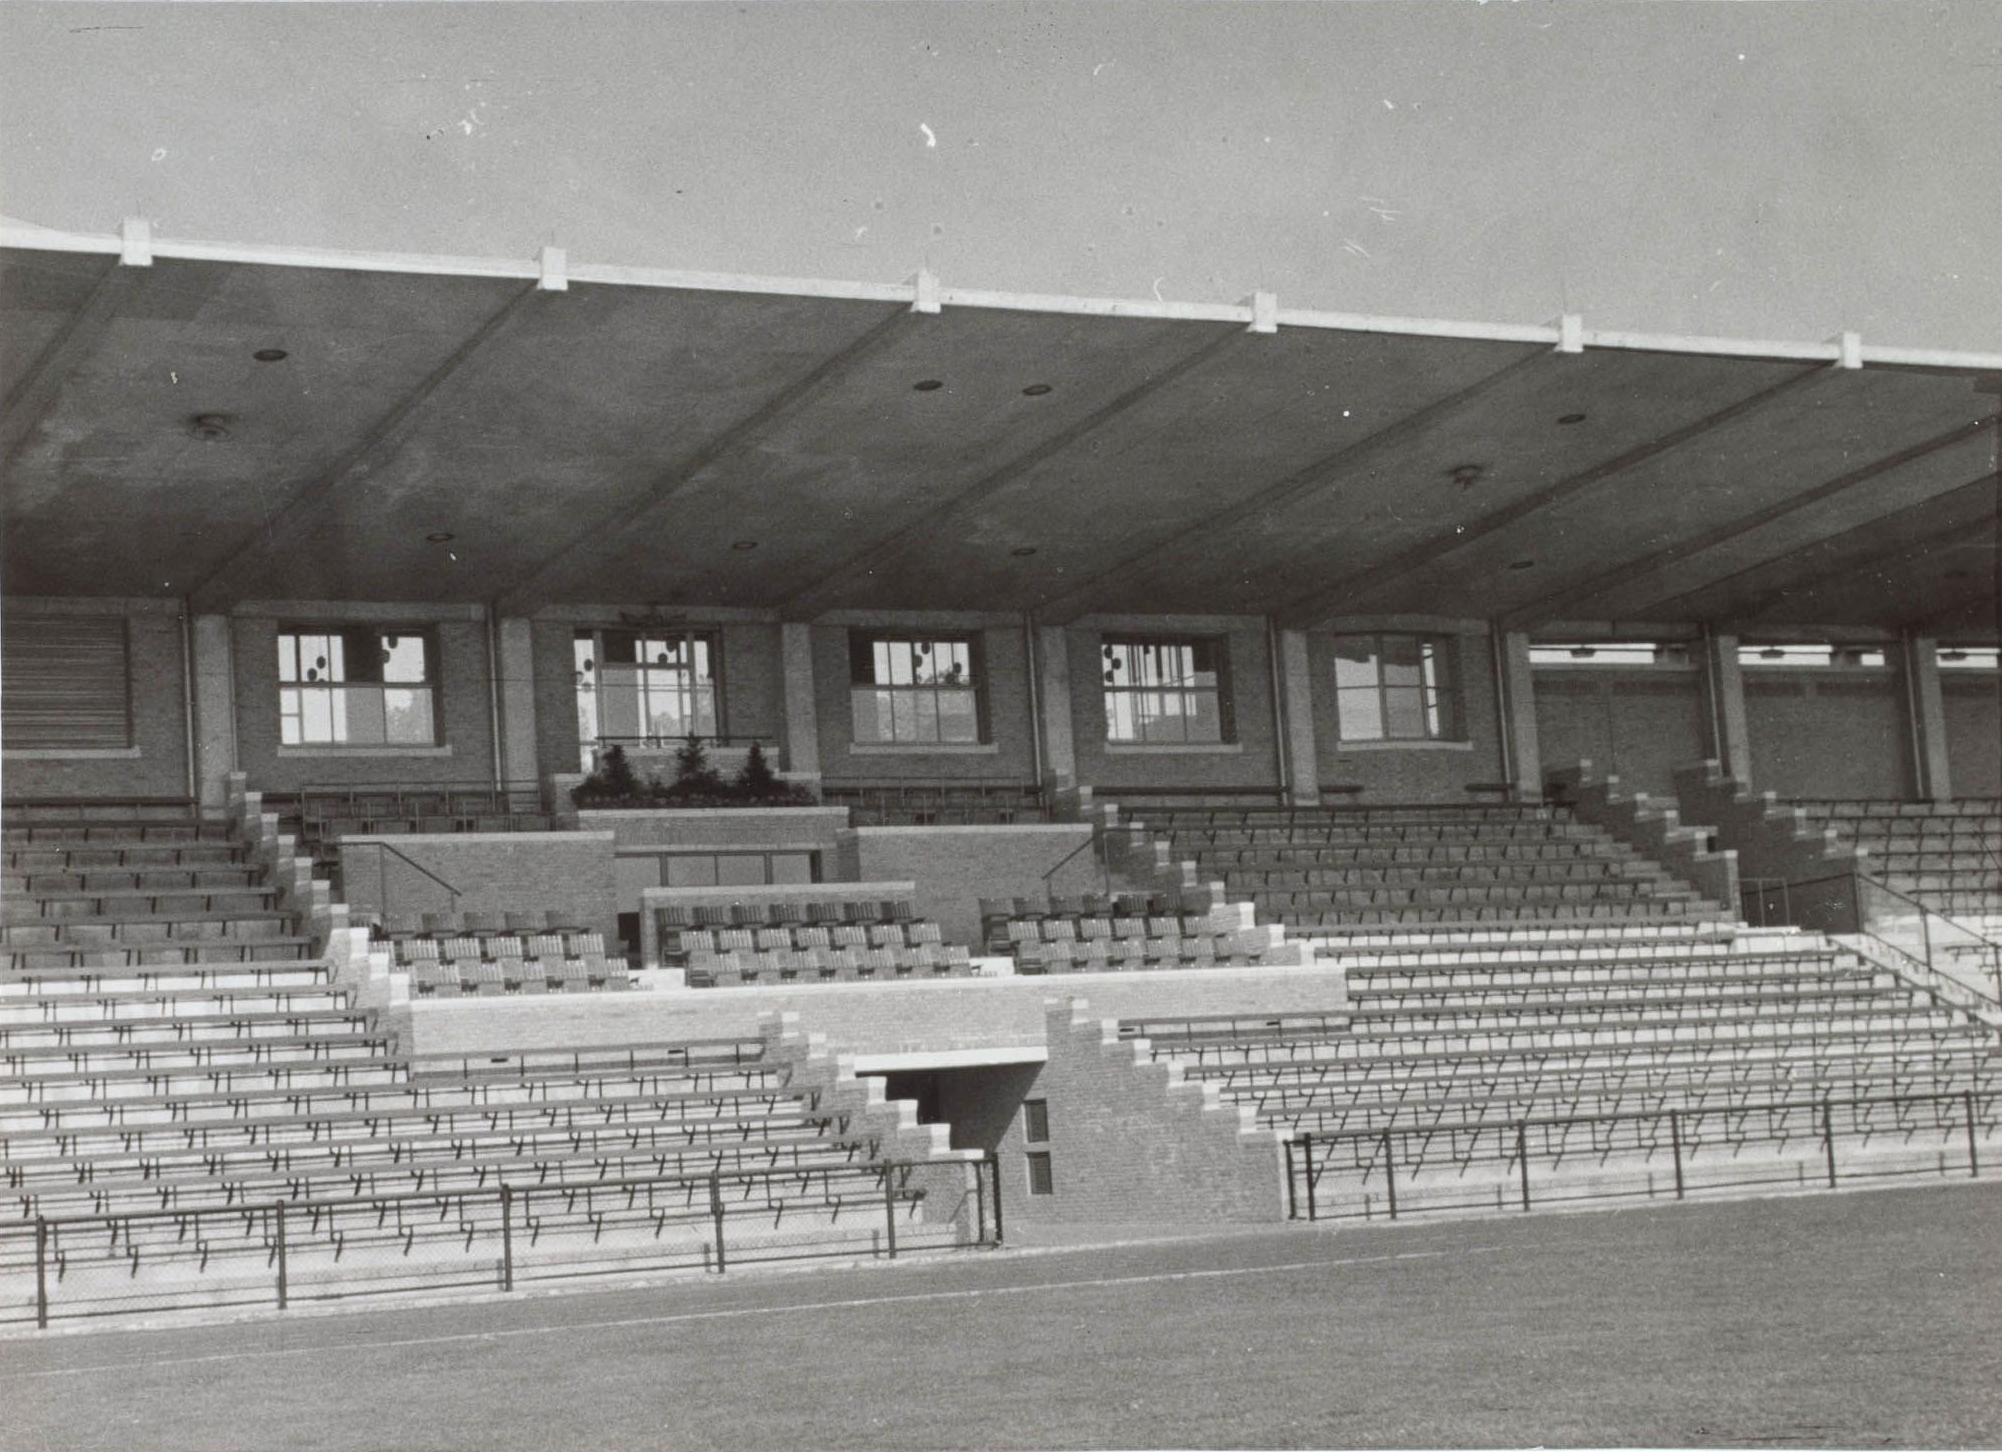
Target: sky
{"points": [[1783, 170]]}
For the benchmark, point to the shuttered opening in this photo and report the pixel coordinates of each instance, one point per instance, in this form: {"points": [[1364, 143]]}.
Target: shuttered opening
{"points": [[64, 684]]}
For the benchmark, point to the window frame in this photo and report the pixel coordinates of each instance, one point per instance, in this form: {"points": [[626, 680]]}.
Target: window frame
{"points": [[1224, 706], [1440, 697], [862, 660], [687, 637], [431, 685]]}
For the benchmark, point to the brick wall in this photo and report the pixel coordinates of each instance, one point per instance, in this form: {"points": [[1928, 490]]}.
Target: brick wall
{"points": [[157, 764], [1973, 703], [892, 1018], [1130, 1141], [493, 871], [1833, 734], [1639, 725], [952, 868]]}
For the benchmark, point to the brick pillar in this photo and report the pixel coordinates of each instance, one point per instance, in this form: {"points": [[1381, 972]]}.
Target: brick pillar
{"points": [[1053, 699], [515, 690], [1727, 738], [1296, 719], [215, 710], [802, 755], [1918, 665], [1515, 694]]}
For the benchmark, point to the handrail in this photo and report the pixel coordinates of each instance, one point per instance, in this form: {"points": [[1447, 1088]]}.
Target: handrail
{"points": [[382, 869], [1087, 845]]}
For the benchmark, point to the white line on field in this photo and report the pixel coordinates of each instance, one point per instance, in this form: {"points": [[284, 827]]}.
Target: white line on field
{"points": [[731, 1312]]}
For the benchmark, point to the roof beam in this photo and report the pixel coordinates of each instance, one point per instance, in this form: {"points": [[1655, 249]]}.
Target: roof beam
{"points": [[1626, 575], [1317, 605], [1083, 595], [1872, 536], [28, 402], [825, 592], [224, 584], [531, 591]]}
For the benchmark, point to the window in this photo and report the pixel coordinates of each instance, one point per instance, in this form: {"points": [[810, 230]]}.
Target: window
{"points": [[356, 687], [645, 687], [1610, 653], [1969, 658], [920, 692], [1395, 688], [1165, 691], [66, 684], [1041, 1180], [1816, 654], [1036, 1121]]}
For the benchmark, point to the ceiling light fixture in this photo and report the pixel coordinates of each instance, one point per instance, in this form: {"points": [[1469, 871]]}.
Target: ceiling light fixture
{"points": [[441, 536], [210, 428], [270, 355], [1035, 390], [1522, 564], [1022, 552], [1467, 475], [743, 546], [928, 385], [1571, 418]]}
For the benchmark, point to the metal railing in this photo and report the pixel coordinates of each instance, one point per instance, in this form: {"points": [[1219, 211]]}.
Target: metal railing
{"points": [[1669, 1153], [1952, 958], [383, 852], [280, 1253]]}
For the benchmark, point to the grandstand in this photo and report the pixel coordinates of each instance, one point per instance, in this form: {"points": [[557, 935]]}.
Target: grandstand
{"points": [[1482, 797]]}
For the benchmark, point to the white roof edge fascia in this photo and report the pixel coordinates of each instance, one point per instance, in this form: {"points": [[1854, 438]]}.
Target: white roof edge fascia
{"points": [[668, 278], [1420, 327], [38, 239], [1096, 307]]}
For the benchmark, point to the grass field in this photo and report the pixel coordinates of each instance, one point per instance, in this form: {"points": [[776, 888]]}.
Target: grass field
{"points": [[1853, 1320]]}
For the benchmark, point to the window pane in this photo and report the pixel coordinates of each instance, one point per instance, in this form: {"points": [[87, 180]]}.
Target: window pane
{"points": [[1355, 661], [619, 701], [1361, 714], [403, 658], [288, 657], [1205, 716], [958, 716], [1120, 722], [924, 708], [1404, 710], [316, 716], [903, 716], [358, 716], [407, 716], [288, 718]]}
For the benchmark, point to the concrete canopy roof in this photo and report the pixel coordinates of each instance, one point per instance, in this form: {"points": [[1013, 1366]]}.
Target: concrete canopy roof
{"points": [[611, 435]]}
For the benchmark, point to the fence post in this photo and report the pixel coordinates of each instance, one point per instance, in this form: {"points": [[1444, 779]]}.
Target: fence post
{"points": [[716, 1210], [1828, 1137], [1522, 1158], [1307, 1157], [1292, 1190], [890, 1208], [1389, 1175], [41, 1273], [1675, 1147], [1973, 1157], [994, 1163], [507, 1237], [278, 1219]]}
